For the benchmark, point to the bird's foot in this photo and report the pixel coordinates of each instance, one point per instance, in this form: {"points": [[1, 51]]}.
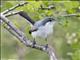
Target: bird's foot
{"points": [[46, 46], [33, 44]]}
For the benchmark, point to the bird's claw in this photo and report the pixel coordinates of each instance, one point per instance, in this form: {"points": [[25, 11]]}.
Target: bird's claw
{"points": [[33, 44], [46, 46]]}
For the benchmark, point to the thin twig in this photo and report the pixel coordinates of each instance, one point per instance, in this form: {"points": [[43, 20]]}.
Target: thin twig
{"points": [[14, 7], [20, 35], [69, 15], [47, 8], [66, 15], [12, 13]]}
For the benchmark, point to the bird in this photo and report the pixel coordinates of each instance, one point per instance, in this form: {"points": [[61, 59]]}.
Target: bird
{"points": [[41, 28]]}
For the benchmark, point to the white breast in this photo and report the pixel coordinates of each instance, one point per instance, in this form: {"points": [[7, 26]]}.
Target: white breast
{"points": [[44, 31]]}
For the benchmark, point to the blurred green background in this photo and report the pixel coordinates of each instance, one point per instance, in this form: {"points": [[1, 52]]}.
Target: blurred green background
{"points": [[65, 39]]}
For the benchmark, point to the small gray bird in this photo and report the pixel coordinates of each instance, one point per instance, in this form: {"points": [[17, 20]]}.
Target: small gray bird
{"points": [[42, 28]]}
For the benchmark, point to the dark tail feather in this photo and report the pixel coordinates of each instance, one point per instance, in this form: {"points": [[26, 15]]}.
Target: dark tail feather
{"points": [[25, 15]]}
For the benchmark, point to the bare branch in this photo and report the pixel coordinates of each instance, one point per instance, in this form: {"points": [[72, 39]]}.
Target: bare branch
{"points": [[11, 13], [47, 8], [20, 35], [14, 7], [68, 15]]}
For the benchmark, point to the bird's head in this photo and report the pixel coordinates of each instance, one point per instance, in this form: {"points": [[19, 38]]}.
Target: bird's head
{"points": [[50, 19]]}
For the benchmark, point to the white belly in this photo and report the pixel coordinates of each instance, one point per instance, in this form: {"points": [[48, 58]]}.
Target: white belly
{"points": [[40, 33], [43, 31]]}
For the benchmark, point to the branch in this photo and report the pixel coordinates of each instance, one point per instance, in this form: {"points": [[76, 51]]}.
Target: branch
{"points": [[14, 7], [47, 8], [11, 13], [68, 15], [20, 35]]}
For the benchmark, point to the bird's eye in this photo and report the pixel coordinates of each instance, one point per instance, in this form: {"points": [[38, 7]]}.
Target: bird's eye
{"points": [[50, 20], [30, 32]]}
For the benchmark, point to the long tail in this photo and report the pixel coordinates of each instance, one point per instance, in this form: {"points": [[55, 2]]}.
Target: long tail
{"points": [[25, 15]]}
